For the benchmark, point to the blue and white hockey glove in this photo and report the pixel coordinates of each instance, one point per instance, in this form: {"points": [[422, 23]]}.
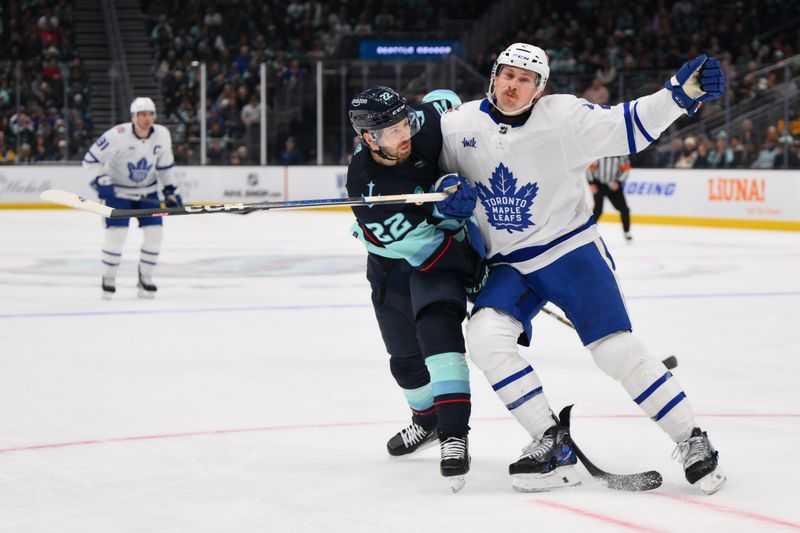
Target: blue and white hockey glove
{"points": [[695, 82], [171, 198], [104, 187], [461, 202]]}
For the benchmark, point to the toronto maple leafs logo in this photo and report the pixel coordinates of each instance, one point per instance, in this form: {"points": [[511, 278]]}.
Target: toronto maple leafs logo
{"points": [[506, 207], [139, 171]]}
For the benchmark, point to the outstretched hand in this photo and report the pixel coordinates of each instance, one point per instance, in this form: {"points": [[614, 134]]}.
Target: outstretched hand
{"points": [[697, 81]]}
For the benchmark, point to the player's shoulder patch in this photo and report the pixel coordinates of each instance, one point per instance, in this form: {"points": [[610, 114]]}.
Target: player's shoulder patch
{"points": [[119, 129]]}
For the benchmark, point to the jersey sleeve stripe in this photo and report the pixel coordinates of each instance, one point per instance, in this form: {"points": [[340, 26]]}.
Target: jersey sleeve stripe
{"points": [[640, 126], [629, 128], [165, 167]]}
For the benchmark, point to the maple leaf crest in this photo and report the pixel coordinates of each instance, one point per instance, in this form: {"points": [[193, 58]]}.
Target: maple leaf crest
{"points": [[506, 207], [139, 171]]}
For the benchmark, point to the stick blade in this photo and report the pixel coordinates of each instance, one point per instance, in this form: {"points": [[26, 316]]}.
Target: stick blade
{"points": [[641, 482], [69, 199]]}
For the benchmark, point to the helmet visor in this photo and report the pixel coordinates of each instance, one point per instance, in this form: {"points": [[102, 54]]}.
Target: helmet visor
{"points": [[392, 136]]}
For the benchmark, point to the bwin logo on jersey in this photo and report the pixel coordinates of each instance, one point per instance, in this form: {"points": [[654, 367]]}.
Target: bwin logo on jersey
{"points": [[506, 207], [472, 143], [139, 171]]}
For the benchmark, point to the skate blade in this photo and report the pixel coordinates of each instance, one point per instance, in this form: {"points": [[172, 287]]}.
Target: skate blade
{"points": [[107, 295], [713, 482], [146, 295], [457, 483], [561, 478]]}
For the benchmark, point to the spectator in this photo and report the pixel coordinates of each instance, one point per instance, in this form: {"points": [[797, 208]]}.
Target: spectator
{"points": [[721, 155], [216, 152], [597, 93], [689, 154], [291, 154], [25, 156], [701, 161], [767, 155]]}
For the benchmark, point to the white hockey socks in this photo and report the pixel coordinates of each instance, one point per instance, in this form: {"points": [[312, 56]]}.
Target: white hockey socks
{"points": [[648, 382], [111, 256], [492, 340], [151, 247]]}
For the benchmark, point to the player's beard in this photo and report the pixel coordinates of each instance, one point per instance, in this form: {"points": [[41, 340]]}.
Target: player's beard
{"points": [[401, 153]]}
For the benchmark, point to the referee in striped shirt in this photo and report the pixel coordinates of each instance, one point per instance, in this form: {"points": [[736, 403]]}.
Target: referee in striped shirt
{"points": [[605, 180]]}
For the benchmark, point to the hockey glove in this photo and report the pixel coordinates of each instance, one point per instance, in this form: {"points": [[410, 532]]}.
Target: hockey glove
{"points": [[695, 82], [477, 273], [171, 198], [104, 187], [461, 202]]}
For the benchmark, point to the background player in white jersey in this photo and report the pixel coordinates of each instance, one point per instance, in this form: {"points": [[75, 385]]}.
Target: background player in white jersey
{"points": [[126, 165], [526, 156]]}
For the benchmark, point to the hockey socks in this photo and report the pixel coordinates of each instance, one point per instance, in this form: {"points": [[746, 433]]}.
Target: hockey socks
{"points": [[451, 393], [420, 400]]}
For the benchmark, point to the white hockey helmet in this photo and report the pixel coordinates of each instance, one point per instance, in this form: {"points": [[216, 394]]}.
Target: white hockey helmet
{"points": [[524, 56], [142, 104]]}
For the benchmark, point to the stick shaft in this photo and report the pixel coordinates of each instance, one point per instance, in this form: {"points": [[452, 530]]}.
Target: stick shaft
{"points": [[78, 202]]}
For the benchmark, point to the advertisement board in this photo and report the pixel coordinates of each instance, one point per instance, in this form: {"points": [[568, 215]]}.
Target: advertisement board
{"points": [[767, 199]]}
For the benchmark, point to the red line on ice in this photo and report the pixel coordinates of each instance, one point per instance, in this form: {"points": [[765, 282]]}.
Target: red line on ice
{"points": [[600, 517], [290, 427], [730, 510]]}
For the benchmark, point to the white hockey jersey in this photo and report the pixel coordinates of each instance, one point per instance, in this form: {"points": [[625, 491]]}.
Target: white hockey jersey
{"points": [[134, 165], [531, 177]]}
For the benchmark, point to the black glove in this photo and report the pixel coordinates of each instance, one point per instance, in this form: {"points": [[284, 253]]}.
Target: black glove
{"points": [[171, 198], [476, 272]]}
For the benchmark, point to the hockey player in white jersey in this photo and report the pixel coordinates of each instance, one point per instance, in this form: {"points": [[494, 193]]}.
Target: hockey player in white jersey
{"points": [[526, 154], [126, 165]]}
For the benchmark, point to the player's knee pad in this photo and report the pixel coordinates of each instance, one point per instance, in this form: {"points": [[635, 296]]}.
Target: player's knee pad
{"points": [[115, 239], [409, 372], [619, 354], [492, 338], [153, 236], [439, 329]]}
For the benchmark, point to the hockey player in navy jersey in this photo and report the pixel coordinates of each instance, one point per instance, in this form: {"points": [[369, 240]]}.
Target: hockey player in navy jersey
{"points": [[526, 155], [419, 263], [126, 165]]}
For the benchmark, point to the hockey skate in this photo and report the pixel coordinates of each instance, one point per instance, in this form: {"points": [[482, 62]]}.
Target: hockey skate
{"points": [[628, 236], [455, 461], [147, 288], [547, 463], [109, 287], [411, 439], [700, 462]]}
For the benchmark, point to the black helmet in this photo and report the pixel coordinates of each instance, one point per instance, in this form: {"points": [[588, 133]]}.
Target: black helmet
{"points": [[378, 108]]}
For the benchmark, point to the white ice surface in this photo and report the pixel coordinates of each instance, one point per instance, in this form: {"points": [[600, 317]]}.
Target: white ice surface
{"points": [[253, 394]]}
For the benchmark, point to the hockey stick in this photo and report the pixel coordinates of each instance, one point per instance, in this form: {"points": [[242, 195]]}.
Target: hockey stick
{"points": [[670, 362], [78, 202], [639, 482]]}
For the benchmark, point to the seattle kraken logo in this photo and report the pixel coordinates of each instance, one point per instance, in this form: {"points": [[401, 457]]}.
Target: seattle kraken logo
{"points": [[140, 171], [506, 207], [472, 143]]}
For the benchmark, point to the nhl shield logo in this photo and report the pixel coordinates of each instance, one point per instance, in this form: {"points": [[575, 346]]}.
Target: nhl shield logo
{"points": [[506, 207]]}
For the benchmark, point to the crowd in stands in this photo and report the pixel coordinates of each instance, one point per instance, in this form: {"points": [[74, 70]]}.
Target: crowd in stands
{"points": [[37, 59], [604, 51], [233, 39], [611, 51]]}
